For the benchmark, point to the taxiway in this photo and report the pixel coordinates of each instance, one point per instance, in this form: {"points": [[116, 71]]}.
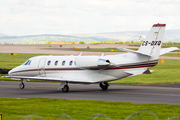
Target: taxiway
{"points": [[165, 94]]}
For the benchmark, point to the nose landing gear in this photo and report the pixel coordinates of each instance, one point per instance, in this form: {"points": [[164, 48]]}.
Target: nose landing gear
{"points": [[21, 85]]}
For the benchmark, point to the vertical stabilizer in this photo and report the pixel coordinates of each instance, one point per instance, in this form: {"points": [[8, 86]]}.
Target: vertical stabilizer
{"points": [[152, 44]]}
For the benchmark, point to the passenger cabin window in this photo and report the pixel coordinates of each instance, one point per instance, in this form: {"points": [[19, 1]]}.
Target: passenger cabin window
{"points": [[70, 63], [49, 62], [56, 62], [63, 63]]}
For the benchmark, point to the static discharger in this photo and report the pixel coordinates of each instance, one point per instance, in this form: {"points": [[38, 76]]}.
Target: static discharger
{"points": [[14, 54]]}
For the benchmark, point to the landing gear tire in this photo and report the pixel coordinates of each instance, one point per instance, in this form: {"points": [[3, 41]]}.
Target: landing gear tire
{"points": [[104, 86], [21, 85], [65, 88]]}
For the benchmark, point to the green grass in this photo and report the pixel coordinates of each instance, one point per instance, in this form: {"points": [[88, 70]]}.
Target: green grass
{"points": [[171, 55], [171, 45], [81, 109], [135, 45], [101, 50], [164, 73], [10, 61], [105, 50], [176, 51]]}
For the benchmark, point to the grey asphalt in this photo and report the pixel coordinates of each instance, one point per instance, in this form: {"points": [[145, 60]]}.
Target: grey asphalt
{"points": [[165, 94]]}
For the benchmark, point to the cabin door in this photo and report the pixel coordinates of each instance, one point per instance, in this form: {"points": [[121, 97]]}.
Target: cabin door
{"points": [[41, 67]]}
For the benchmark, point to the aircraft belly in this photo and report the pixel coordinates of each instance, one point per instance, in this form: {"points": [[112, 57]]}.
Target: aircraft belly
{"points": [[69, 75], [107, 75]]}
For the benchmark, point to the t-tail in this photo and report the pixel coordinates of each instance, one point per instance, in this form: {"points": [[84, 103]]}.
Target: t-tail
{"points": [[151, 46]]}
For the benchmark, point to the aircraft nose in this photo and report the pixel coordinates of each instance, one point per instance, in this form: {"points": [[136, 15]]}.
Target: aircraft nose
{"points": [[10, 72]]}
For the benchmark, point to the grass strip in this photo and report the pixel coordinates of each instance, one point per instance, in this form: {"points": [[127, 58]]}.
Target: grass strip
{"points": [[101, 50], [12, 109], [176, 51], [10, 61], [164, 73], [171, 55], [135, 45]]}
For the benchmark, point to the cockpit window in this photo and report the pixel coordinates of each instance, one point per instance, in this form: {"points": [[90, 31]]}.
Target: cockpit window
{"points": [[27, 62]]}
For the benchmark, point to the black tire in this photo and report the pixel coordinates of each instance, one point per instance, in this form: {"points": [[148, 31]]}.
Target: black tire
{"points": [[22, 85], [104, 86], [65, 88]]}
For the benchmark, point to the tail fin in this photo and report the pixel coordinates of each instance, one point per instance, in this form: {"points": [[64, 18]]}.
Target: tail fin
{"points": [[152, 44]]}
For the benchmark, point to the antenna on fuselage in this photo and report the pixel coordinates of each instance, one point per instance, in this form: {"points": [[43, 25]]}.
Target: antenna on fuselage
{"points": [[102, 54]]}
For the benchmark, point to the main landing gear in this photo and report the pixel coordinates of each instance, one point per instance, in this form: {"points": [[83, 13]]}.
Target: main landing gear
{"points": [[104, 85], [64, 86]]}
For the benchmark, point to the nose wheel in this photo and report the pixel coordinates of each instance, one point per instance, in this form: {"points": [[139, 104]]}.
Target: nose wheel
{"points": [[21, 85]]}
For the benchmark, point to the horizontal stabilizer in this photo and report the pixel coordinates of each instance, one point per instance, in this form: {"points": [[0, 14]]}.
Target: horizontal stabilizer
{"points": [[166, 50], [132, 51], [135, 72], [147, 72]]}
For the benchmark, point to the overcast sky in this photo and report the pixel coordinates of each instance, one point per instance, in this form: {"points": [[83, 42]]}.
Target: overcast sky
{"points": [[32, 17]]}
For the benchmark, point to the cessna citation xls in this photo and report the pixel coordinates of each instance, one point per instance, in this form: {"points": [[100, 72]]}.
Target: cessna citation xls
{"points": [[94, 69]]}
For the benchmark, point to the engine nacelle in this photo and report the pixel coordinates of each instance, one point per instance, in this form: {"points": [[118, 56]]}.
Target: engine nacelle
{"points": [[91, 62]]}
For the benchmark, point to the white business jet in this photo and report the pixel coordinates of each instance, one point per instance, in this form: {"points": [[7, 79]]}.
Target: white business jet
{"points": [[94, 69]]}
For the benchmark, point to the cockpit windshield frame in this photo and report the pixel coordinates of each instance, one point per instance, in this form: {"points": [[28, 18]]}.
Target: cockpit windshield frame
{"points": [[28, 62]]}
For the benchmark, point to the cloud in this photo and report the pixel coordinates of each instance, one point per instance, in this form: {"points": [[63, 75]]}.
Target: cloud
{"points": [[22, 17]]}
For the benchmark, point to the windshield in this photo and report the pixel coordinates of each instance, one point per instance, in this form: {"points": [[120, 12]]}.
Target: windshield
{"points": [[27, 62]]}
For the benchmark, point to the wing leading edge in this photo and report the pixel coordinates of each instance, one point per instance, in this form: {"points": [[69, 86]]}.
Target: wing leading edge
{"points": [[50, 79]]}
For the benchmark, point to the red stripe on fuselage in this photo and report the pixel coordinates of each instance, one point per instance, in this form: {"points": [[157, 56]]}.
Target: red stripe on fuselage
{"points": [[141, 66]]}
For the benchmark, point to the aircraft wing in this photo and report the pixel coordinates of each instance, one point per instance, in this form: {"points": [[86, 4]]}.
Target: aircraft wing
{"points": [[50, 79], [166, 50]]}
